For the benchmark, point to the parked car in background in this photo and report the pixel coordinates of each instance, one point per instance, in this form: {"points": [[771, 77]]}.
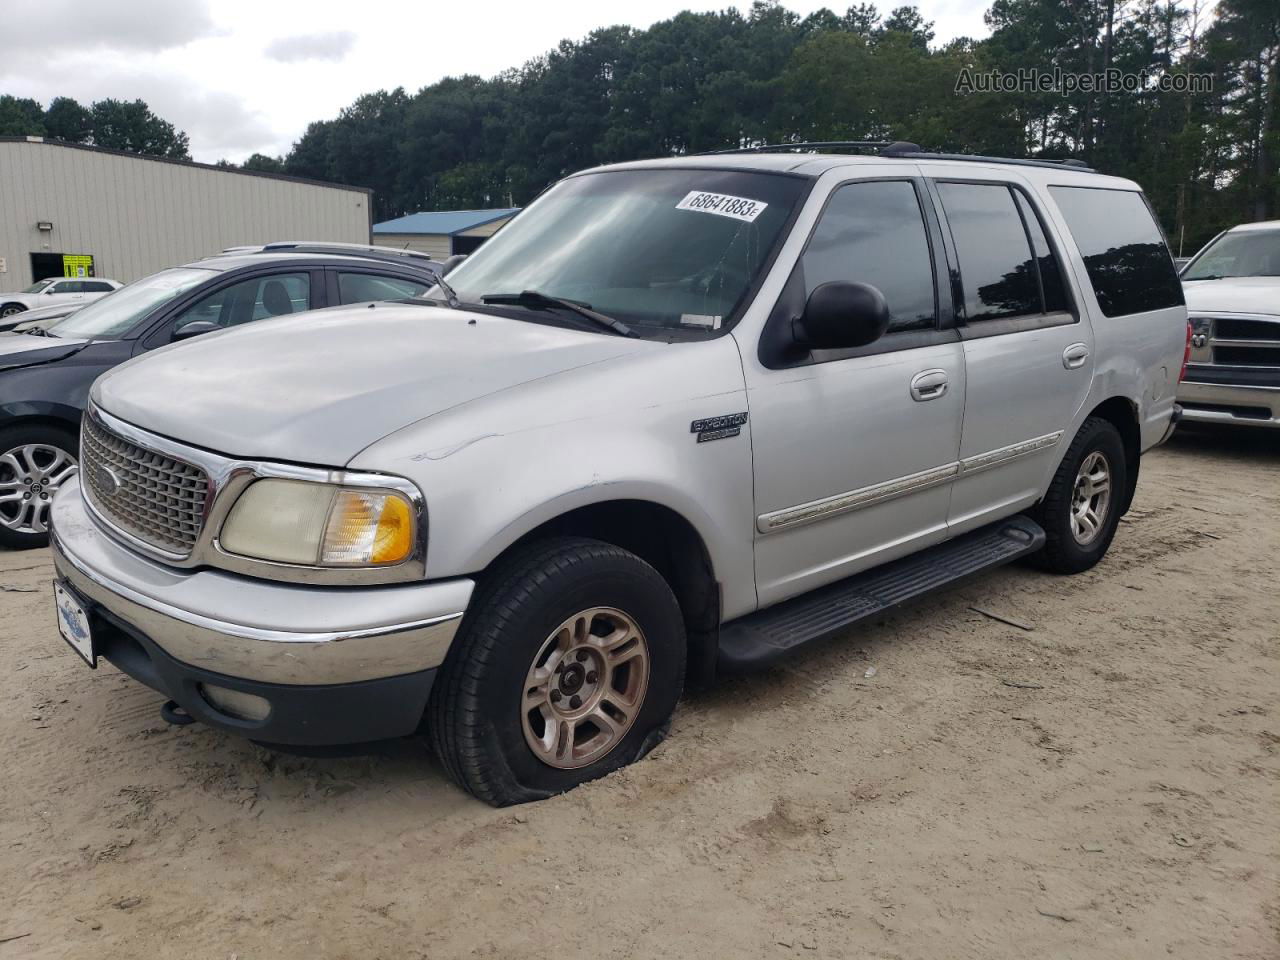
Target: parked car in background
{"points": [[1233, 298], [55, 291], [677, 417], [46, 370]]}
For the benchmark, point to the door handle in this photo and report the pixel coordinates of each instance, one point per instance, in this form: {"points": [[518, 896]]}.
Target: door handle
{"points": [[1075, 355], [929, 385]]}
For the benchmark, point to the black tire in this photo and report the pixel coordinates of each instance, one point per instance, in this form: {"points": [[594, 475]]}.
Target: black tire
{"points": [[474, 717], [11, 439], [1062, 552], [11, 309]]}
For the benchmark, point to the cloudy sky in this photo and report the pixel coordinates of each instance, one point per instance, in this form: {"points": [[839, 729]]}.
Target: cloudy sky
{"points": [[245, 76]]}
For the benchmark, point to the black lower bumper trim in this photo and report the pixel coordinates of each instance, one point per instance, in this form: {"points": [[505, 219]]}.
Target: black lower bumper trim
{"points": [[310, 715]]}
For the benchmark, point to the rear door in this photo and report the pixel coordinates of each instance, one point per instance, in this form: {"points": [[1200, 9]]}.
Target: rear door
{"points": [[1028, 352], [854, 450]]}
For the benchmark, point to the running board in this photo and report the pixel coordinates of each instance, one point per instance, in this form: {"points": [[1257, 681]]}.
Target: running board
{"points": [[760, 638]]}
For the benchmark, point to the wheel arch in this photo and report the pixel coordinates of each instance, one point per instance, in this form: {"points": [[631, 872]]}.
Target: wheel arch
{"points": [[667, 541], [1122, 413]]}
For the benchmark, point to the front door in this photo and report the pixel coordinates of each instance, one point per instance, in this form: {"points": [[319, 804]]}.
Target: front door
{"points": [[854, 450], [1028, 355]]}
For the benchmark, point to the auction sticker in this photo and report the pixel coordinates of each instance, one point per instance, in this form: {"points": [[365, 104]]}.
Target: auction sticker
{"points": [[740, 208]]}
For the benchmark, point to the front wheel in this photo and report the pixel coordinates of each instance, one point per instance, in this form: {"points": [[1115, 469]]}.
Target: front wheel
{"points": [[11, 310], [36, 460], [1081, 510], [568, 666]]}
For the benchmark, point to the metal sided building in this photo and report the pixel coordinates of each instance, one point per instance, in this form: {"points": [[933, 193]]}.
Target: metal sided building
{"points": [[442, 233], [71, 210]]}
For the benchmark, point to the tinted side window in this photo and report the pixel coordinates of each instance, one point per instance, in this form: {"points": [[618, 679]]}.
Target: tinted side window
{"points": [[250, 300], [363, 287], [996, 267], [1055, 293], [97, 286], [1128, 261], [68, 286], [874, 233]]}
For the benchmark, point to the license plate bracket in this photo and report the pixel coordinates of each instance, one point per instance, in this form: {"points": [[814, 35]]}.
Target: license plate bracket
{"points": [[73, 622]]}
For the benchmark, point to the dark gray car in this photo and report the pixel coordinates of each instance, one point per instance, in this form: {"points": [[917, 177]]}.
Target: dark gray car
{"points": [[46, 372]]}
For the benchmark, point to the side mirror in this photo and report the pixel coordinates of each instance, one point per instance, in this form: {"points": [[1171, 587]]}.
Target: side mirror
{"points": [[194, 329], [49, 292], [450, 263], [842, 315]]}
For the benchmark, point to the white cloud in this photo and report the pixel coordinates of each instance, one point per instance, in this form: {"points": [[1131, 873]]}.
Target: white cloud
{"points": [[146, 25], [312, 46]]}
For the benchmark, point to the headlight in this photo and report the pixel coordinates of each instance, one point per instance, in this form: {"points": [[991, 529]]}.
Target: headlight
{"points": [[320, 524]]}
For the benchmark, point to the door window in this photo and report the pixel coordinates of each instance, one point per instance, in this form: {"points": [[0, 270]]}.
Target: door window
{"points": [[365, 287], [97, 286], [874, 233], [1051, 284], [1124, 252], [68, 286], [997, 271], [249, 300]]}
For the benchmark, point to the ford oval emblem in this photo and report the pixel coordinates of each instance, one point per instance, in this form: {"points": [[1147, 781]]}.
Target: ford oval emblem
{"points": [[106, 480]]}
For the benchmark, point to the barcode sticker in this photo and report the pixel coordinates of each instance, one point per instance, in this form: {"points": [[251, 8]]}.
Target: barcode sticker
{"points": [[740, 208]]}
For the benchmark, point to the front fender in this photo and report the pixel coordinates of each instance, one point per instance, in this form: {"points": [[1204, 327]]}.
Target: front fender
{"points": [[620, 431]]}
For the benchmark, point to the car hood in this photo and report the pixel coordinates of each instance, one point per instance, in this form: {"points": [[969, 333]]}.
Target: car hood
{"points": [[43, 316], [25, 350], [1233, 295], [320, 387]]}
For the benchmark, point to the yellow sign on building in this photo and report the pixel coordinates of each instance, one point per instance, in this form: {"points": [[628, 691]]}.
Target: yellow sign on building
{"points": [[77, 265]]}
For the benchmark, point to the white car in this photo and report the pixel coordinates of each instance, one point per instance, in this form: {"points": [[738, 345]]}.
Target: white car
{"points": [[55, 290]]}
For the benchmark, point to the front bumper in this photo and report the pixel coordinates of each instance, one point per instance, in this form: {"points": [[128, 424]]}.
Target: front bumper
{"points": [[1241, 405], [336, 664]]}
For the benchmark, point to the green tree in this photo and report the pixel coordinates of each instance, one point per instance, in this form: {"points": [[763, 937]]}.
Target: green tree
{"points": [[132, 127], [67, 120], [20, 118]]}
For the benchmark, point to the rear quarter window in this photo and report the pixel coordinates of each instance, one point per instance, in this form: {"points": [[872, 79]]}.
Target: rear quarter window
{"points": [[1128, 261]]}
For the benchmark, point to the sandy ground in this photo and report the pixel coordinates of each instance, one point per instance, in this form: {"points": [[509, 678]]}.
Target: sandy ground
{"points": [[1104, 785]]}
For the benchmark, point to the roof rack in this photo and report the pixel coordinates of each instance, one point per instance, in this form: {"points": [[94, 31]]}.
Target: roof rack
{"points": [[804, 145], [912, 151], [359, 250], [906, 150]]}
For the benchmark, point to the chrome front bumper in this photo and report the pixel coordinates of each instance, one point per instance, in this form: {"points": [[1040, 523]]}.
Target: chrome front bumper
{"points": [[258, 630], [1244, 406]]}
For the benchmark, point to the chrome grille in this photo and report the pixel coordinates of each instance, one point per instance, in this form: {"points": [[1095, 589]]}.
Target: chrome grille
{"points": [[150, 496]]}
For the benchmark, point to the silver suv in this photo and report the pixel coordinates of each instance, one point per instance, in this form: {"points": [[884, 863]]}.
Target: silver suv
{"points": [[679, 417]]}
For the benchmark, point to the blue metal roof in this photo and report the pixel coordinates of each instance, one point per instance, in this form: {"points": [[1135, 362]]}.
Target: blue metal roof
{"points": [[446, 222]]}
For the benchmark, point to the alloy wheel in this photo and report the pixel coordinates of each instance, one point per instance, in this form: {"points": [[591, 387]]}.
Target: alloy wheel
{"points": [[1090, 498], [585, 688], [29, 477]]}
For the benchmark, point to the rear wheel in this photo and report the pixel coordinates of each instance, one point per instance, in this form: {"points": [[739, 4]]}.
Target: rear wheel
{"points": [[1080, 512], [568, 666], [35, 461]]}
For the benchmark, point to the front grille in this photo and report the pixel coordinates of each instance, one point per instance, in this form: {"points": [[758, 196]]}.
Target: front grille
{"points": [[150, 496], [1247, 356], [1235, 328]]}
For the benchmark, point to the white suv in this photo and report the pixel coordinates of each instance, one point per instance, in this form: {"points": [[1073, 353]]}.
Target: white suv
{"points": [[679, 417]]}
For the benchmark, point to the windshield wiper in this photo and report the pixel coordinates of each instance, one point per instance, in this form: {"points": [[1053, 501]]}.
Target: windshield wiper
{"points": [[37, 332], [534, 299], [450, 297]]}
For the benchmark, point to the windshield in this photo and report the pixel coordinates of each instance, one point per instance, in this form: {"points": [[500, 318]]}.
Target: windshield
{"points": [[664, 251], [112, 317], [38, 286], [1244, 253]]}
